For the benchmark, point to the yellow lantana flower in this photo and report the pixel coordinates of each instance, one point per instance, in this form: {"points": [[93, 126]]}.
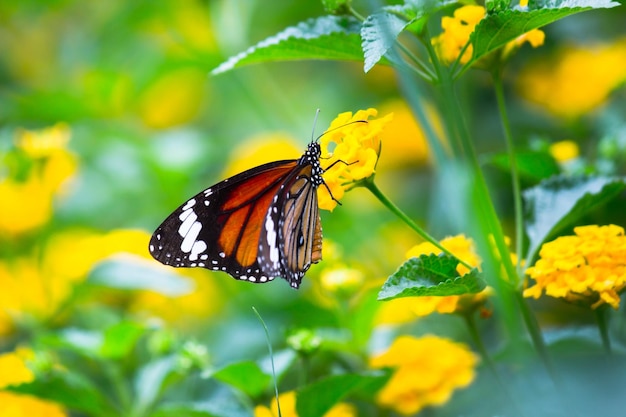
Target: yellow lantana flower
{"points": [[288, 408], [427, 371], [589, 267], [173, 99], [354, 156], [14, 371], [458, 29]]}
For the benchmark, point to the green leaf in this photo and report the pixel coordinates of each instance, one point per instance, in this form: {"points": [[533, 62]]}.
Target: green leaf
{"points": [[498, 28], [531, 165], [560, 202], [326, 37], [70, 390], [134, 273], [316, 399], [151, 380], [430, 275], [120, 339], [380, 31], [246, 376]]}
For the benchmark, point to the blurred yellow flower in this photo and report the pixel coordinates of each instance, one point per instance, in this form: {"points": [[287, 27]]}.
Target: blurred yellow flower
{"points": [[458, 29], [349, 153], [288, 408], [456, 33], [404, 141], [402, 310], [562, 84], [18, 405], [14, 371], [173, 99], [42, 143], [35, 287], [261, 149], [427, 371], [341, 279], [26, 202], [564, 151], [588, 268]]}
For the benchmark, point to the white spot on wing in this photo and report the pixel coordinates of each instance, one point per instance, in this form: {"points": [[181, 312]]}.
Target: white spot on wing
{"points": [[190, 237], [186, 225], [271, 239], [189, 204], [198, 247]]}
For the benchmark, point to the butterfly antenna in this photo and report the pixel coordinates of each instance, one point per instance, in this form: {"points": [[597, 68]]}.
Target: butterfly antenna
{"points": [[317, 112], [269, 346], [339, 127]]}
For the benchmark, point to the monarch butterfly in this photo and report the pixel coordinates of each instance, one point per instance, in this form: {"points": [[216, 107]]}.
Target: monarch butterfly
{"points": [[257, 225]]}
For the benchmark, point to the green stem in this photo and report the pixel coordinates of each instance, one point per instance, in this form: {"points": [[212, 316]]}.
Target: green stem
{"points": [[507, 287], [508, 138], [602, 318], [269, 347], [470, 321], [373, 188], [535, 334], [420, 68]]}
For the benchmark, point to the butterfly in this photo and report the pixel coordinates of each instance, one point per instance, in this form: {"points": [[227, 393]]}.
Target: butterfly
{"points": [[257, 225]]}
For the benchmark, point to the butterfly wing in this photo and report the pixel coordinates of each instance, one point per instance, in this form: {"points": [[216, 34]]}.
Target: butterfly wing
{"points": [[220, 228], [293, 239]]}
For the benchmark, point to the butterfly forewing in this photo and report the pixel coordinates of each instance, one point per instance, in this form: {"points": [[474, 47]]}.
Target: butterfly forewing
{"points": [[219, 227]]}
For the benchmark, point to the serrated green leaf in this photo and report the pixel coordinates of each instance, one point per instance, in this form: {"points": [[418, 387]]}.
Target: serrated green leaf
{"points": [[246, 376], [316, 399], [70, 390], [120, 339], [134, 273], [557, 4], [326, 37], [430, 275], [559, 202], [380, 31], [498, 28]]}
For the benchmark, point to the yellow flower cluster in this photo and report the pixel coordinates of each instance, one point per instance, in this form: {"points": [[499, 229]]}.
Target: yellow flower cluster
{"points": [[14, 371], [427, 371], [588, 268], [288, 408], [456, 33], [349, 153], [562, 85], [26, 202], [458, 29]]}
